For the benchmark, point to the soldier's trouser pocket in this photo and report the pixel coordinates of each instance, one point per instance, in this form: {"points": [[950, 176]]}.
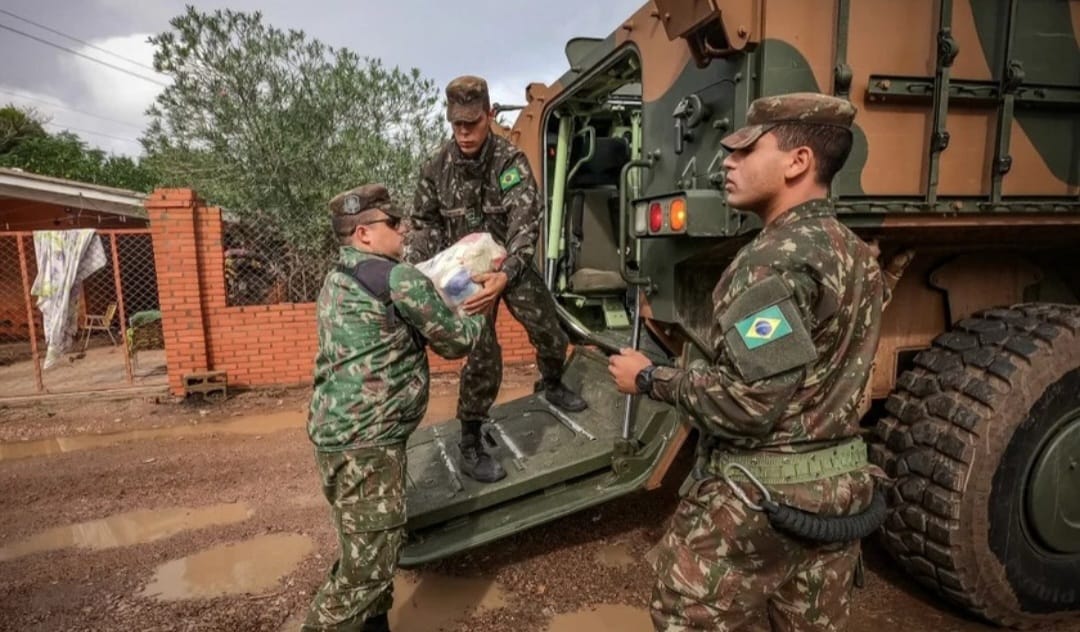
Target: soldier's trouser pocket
{"points": [[370, 522], [365, 487], [703, 563]]}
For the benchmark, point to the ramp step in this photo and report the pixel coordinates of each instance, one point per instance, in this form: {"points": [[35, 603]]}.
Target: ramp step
{"points": [[448, 461]]}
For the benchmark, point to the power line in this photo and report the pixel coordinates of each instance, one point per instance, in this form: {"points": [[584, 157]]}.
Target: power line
{"points": [[75, 52], [75, 39], [90, 131], [71, 109]]}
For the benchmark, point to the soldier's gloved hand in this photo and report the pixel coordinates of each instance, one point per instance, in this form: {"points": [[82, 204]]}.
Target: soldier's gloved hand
{"points": [[493, 284]]}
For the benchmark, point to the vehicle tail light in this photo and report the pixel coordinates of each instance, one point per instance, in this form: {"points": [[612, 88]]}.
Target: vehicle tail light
{"points": [[678, 214], [656, 217]]}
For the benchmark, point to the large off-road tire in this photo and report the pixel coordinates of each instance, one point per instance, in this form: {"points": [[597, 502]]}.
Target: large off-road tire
{"points": [[982, 439]]}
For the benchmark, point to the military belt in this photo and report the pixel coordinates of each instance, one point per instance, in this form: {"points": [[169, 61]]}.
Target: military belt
{"points": [[772, 468]]}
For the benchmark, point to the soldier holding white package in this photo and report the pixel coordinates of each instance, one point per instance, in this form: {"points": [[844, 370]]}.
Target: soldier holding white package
{"points": [[479, 182]]}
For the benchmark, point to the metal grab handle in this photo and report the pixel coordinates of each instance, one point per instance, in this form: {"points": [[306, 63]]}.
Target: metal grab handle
{"points": [[635, 340], [624, 179], [637, 279], [588, 132]]}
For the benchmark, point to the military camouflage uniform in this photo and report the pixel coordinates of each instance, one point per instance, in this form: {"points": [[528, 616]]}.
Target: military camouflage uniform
{"points": [[796, 324], [370, 393], [494, 192]]}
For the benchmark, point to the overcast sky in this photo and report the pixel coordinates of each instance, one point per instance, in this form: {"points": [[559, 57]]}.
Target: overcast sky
{"points": [[511, 43]]}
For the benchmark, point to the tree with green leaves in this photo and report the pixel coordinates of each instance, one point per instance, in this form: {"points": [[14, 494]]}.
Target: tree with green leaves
{"points": [[18, 125], [271, 124], [24, 144]]}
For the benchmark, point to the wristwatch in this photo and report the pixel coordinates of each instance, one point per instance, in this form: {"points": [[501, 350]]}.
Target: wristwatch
{"points": [[643, 380]]}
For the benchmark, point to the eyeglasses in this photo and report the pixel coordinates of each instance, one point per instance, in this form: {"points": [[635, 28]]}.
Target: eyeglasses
{"points": [[391, 222]]}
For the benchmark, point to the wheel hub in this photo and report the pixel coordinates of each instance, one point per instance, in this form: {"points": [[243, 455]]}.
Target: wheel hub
{"points": [[1053, 491]]}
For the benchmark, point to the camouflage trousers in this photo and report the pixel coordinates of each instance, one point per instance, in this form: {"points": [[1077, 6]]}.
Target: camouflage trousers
{"points": [[366, 491], [721, 565], [532, 304]]}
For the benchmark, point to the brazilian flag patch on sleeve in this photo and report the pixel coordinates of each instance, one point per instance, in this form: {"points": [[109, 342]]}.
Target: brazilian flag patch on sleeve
{"points": [[509, 178], [763, 327]]}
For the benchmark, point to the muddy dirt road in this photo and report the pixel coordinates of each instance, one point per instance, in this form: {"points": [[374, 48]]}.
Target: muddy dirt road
{"points": [[187, 517]]}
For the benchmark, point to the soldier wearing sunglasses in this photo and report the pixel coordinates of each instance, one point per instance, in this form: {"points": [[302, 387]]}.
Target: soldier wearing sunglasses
{"points": [[375, 318]]}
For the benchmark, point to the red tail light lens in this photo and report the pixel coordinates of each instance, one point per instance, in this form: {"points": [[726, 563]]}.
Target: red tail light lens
{"points": [[656, 217]]}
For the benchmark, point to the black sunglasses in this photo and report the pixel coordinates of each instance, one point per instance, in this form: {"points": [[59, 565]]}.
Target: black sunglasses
{"points": [[391, 222]]}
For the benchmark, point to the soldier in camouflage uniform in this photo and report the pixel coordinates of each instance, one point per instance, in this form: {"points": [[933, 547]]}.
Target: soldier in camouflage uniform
{"points": [[375, 316], [797, 321], [479, 182]]}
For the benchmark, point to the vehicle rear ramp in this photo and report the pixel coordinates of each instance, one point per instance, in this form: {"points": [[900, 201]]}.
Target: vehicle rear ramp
{"points": [[557, 463]]}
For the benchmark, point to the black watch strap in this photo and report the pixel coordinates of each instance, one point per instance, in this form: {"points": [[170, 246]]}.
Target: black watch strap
{"points": [[644, 380]]}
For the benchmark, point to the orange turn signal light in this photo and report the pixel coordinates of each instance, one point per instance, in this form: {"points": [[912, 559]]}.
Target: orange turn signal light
{"points": [[678, 214]]}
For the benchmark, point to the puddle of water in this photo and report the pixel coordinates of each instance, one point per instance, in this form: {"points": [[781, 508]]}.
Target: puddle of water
{"points": [[426, 603], [615, 556], [251, 566], [604, 618], [256, 424], [439, 409], [127, 529], [429, 603]]}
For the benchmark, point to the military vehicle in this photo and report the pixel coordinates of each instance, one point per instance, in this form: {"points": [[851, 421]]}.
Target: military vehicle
{"points": [[966, 173]]}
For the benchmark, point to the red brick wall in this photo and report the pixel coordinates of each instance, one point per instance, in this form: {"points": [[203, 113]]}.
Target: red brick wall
{"points": [[258, 345]]}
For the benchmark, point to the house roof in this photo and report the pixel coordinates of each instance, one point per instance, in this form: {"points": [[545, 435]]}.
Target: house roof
{"points": [[19, 184]]}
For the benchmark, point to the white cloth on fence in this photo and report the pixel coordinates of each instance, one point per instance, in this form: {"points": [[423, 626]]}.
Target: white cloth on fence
{"points": [[452, 269], [64, 259]]}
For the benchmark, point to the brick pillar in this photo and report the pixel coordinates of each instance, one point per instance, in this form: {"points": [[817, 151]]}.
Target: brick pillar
{"points": [[173, 229]]}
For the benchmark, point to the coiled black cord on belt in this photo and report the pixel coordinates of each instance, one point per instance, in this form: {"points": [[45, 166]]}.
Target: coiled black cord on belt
{"points": [[810, 526]]}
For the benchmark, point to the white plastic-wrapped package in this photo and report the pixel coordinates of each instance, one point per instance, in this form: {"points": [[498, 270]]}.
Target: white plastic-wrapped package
{"points": [[452, 269]]}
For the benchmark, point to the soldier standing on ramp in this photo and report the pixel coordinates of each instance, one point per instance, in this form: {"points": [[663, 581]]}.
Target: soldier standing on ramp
{"points": [[479, 182], [371, 391], [797, 322]]}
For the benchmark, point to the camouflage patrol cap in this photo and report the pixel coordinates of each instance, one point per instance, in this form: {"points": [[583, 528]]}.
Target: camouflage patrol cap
{"points": [[466, 99], [797, 107], [363, 198]]}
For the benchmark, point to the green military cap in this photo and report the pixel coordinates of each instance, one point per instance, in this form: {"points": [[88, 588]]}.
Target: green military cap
{"points": [[466, 99], [363, 198], [797, 107]]}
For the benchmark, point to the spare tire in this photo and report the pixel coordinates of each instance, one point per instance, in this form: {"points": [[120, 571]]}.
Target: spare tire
{"points": [[982, 441]]}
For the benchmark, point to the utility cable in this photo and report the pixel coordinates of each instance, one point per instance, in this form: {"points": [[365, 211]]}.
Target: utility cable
{"points": [[90, 131], [84, 56], [70, 109], [75, 39]]}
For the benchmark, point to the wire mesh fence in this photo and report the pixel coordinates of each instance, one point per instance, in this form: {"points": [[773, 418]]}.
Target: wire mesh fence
{"points": [[17, 322], [121, 301], [93, 323], [137, 280], [276, 259]]}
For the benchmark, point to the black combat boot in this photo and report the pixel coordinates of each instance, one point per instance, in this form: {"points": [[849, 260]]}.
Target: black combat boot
{"points": [[476, 463], [562, 397], [378, 623]]}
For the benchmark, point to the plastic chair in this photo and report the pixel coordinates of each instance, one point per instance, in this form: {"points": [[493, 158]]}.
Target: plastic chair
{"points": [[100, 322]]}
